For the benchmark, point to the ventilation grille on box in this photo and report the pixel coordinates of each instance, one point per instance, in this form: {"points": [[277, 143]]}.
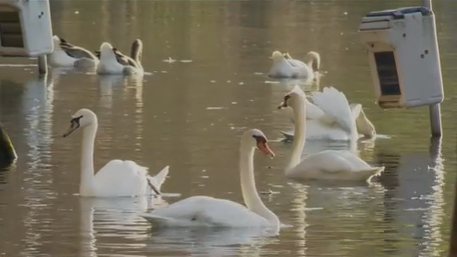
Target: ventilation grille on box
{"points": [[387, 73]]}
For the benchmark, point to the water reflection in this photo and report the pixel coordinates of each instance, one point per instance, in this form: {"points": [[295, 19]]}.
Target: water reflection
{"points": [[414, 184], [106, 220], [211, 241]]}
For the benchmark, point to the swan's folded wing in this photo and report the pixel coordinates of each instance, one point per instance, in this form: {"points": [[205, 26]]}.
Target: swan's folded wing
{"points": [[296, 63], [336, 106], [77, 52], [124, 175], [312, 111], [203, 211], [325, 161], [355, 161]]}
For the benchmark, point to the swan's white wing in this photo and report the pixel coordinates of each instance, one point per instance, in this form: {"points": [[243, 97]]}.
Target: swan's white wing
{"points": [[336, 106], [204, 211], [312, 111], [160, 178], [325, 161], [355, 161], [121, 178], [296, 63]]}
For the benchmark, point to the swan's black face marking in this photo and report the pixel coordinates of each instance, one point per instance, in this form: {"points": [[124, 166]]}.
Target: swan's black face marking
{"points": [[262, 145], [74, 125], [97, 53], [260, 139], [284, 102]]}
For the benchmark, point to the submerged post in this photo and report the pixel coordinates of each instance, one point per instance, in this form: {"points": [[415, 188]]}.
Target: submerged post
{"points": [[42, 65], [434, 109]]}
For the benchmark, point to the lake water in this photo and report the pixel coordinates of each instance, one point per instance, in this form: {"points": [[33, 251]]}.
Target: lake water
{"points": [[189, 114]]}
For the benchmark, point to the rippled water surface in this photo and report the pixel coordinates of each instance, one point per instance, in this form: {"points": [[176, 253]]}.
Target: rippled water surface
{"points": [[190, 114]]}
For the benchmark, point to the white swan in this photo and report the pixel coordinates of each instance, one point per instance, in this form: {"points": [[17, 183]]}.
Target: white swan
{"points": [[113, 62], [117, 178], [284, 66], [328, 164], [68, 55], [326, 120], [212, 212]]}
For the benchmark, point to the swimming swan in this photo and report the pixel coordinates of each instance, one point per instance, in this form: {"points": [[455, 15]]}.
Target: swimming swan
{"points": [[325, 120], [208, 211], [117, 178], [68, 55], [284, 66], [328, 164], [113, 62]]}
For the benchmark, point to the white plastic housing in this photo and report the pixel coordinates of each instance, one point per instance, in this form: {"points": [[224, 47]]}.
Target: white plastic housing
{"points": [[403, 56], [25, 28]]}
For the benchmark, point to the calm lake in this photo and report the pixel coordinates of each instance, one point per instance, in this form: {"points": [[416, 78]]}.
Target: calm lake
{"points": [[190, 113]]}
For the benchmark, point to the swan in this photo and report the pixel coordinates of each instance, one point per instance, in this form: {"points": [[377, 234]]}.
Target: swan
{"points": [[206, 211], [113, 62], [284, 66], [325, 120], [117, 178], [68, 55], [328, 164]]}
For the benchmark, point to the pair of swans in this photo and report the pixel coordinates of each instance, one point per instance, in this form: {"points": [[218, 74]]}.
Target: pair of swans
{"points": [[117, 178], [126, 178], [107, 60], [326, 165], [327, 118], [284, 66]]}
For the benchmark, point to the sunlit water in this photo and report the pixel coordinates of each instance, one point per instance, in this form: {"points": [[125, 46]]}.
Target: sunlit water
{"points": [[189, 113]]}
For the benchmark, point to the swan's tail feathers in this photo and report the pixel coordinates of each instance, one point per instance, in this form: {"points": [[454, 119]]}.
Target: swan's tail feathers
{"points": [[160, 178], [289, 136], [313, 59], [336, 107], [156, 221], [373, 172]]}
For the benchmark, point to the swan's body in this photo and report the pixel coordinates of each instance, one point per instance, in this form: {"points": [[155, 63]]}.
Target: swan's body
{"points": [[207, 211], [328, 164], [328, 119], [117, 178], [113, 62], [68, 55], [284, 66]]}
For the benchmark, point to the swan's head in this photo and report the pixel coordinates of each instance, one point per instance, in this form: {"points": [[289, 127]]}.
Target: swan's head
{"points": [[293, 98], [277, 56], [256, 139], [81, 119]]}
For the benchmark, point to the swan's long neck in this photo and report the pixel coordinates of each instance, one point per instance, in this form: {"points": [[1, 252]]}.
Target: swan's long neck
{"points": [[136, 51], [250, 195], [299, 134], [87, 159]]}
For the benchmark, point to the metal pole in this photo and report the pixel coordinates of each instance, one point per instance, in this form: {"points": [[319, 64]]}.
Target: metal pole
{"points": [[434, 110], [42, 65]]}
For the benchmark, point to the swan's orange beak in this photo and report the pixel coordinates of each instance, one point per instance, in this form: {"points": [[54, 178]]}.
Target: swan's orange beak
{"points": [[264, 148]]}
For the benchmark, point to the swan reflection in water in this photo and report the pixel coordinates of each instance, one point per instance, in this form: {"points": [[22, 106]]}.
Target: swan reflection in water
{"points": [[115, 218], [211, 241]]}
